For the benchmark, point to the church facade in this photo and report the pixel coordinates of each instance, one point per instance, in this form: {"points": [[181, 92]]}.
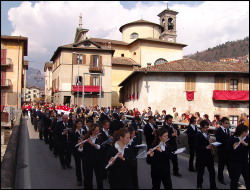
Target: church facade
{"points": [[89, 70]]}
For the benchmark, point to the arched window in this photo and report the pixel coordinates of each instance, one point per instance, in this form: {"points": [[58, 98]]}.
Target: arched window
{"points": [[160, 61], [134, 36], [80, 80], [170, 24]]}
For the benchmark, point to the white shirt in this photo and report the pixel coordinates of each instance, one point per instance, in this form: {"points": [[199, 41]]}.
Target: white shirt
{"points": [[79, 132], [163, 146], [152, 126], [223, 129], [87, 128], [106, 132], [93, 139], [193, 126], [205, 135], [119, 148]]}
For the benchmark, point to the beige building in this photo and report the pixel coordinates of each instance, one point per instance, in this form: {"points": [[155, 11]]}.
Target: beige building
{"points": [[143, 43], [32, 93], [189, 85], [48, 81], [13, 70]]}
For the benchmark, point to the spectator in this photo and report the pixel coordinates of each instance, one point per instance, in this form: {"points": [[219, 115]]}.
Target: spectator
{"points": [[130, 112], [206, 118], [216, 121], [136, 112], [156, 115], [150, 113], [198, 118], [174, 111], [243, 118], [184, 118], [176, 117], [144, 113], [163, 115]]}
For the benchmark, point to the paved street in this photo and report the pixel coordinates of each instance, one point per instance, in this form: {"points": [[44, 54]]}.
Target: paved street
{"points": [[38, 169]]}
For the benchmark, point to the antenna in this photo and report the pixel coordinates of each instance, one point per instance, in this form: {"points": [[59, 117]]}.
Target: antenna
{"points": [[80, 20]]}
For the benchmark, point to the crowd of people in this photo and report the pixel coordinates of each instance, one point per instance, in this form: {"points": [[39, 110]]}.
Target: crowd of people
{"points": [[103, 141]]}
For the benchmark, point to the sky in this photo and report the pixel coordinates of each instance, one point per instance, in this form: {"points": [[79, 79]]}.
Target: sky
{"points": [[49, 24]]}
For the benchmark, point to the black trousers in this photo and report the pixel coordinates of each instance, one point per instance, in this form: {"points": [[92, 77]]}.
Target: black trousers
{"points": [[223, 160], [46, 135], [35, 123], [78, 157], [236, 169], [32, 119], [135, 175], [55, 144], [191, 157], [90, 166], [158, 177], [51, 140], [65, 150], [201, 164], [175, 163]]}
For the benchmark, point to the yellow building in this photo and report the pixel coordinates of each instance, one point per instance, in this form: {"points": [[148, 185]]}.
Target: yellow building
{"points": [[13, 70], [143, 43]]}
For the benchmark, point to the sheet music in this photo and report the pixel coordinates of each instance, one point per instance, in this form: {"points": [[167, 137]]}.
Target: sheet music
{"points": [[141, 145], [180, 150], [216, 143]]}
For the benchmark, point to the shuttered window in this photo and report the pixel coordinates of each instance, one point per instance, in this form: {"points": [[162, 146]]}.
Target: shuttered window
{"points": [[190, 83], [233, 84], [246, 84], [219, 83]]}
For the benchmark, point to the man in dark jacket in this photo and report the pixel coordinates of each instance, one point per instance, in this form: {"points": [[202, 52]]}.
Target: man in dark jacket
{"points": [[149, 131], [222, 135], [63, 131], [173, 134], [115, 124]]}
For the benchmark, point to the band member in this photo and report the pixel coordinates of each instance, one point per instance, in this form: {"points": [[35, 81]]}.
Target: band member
{"points": [[78, 135], [105, 137], [238, 156], [115, 124], [159, 160], [222, 135], [51, 130], [103, 115], [72, 120], [173, 133], [204, 156], [149, 131], [87, 127], [46, 125], [132, 145], [92, 158], [137, 125], [120, 158], [191, 132], [64, 141]]}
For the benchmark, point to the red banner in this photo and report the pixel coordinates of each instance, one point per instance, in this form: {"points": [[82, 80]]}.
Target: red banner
{"points": [[240, 95], [87, 88], [190, 95]]}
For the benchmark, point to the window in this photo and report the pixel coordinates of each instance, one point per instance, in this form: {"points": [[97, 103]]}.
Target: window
{"points": [[233, 84], [95, 60], [122, 55], [233, 120], [190, 83], [79, 59], [28, 96], [160, 61], [80, 80], [95, 81], [34, 90], [219, 83], [29, 92], [134, 36], [34, 96], [170, 24], [134, 53]]}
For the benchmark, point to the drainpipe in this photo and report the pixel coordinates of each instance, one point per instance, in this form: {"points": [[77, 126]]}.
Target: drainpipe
{"points": [[18, 71]]}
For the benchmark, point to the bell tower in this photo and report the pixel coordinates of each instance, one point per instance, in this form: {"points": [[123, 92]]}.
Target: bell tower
{"points": [[168, 22]]}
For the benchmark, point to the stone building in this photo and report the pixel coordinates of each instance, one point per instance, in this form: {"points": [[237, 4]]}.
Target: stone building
{"points": [[13, 70], [32, 93], [143, 43], [189, 85]]}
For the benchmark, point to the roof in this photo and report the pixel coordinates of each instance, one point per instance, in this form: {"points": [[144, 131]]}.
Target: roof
{"points": [[167, 11], [123, 61], [158, 40], [139, 22], [30, 87], [101, 40], [47, 65], [190, 65], [73, 48], [14, 38]]}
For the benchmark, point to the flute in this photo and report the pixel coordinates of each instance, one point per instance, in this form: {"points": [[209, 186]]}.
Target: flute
{"points": [[85, 141], [161, 143], [239, 143]]}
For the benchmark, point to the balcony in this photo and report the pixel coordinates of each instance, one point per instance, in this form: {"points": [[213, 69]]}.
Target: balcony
{"points": [[5, 83], [87, 88], [54, 90], [229, 95], [5, 63], [95, 69]]}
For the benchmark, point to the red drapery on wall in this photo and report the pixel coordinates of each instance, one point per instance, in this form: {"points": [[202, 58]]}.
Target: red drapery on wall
{"points": [[190, 95], [242, 95]]}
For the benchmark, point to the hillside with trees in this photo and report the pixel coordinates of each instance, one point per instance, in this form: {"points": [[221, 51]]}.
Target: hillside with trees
{"points": [[231, 49]]}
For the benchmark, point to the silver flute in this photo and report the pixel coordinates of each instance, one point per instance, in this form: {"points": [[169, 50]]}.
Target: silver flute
{"points": [[153, 149]]}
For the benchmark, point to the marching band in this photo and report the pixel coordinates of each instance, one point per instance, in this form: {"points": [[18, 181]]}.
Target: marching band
{"points": [[110, 148]]}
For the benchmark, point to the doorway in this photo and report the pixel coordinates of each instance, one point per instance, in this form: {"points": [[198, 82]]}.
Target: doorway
{"points": [[66, 99]]}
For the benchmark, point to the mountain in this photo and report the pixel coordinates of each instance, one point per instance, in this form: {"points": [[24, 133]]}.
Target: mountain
{"points": [[231, 49], [31, 78]]}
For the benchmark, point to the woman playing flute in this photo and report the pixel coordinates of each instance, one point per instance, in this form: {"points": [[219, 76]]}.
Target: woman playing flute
{"points": [[238, 156], [92, 159], [120, 159], [159, 160]]}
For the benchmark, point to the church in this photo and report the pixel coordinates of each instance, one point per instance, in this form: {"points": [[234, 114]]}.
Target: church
{"points": [[90, 70]]}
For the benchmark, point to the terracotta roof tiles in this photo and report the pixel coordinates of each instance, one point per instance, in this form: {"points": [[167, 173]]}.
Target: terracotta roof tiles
{"points": [[123, 61]]}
